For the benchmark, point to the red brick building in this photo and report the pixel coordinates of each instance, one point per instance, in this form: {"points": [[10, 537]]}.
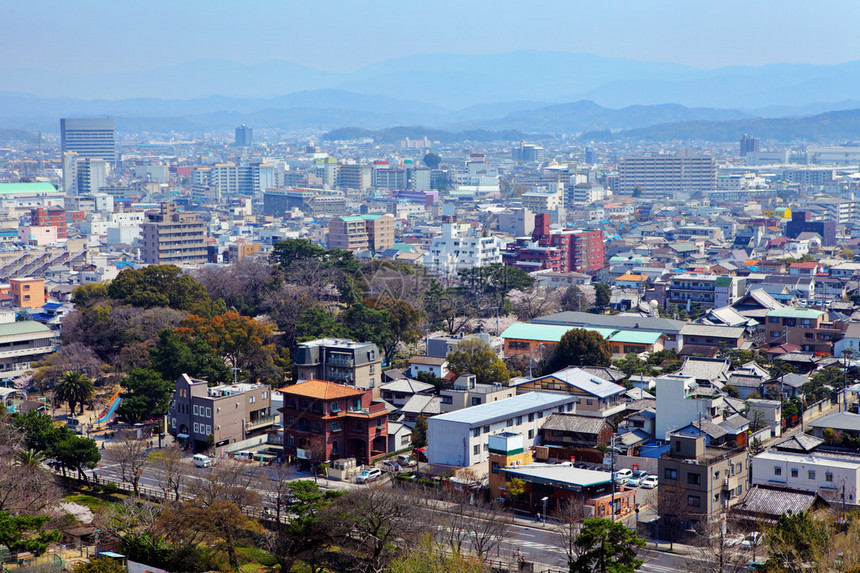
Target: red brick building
{"points": [[558, 251], [50, 217], [327, 421]]}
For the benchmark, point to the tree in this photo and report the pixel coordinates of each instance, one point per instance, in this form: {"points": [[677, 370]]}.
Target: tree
{"points": [[580, 347], [74, 388], [100, 565], [475, 356], [367, 324], [432, 160], [780, 368], [160, 285], [76, 453], [419, 433], [404, 321], [602, 295], [798, 542], [573, 299], [171, 470], [606, 546], [147, 395], [316, 322], [673, 508], [25, 533], [570, 514], [175, 355], [131, 458]]}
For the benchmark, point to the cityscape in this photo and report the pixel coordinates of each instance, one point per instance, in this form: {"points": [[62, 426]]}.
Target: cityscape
{"points": [[533, 304]]}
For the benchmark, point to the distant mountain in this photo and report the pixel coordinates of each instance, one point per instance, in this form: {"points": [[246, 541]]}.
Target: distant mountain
{"points": [[830, 127], [456, 81], [587, 115], [395, 134]]}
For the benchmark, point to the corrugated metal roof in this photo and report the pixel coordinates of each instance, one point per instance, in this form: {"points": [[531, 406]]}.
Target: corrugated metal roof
{"points": [[505, 408], [791, 312]]}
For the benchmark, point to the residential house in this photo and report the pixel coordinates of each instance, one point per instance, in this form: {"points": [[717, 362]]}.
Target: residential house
{"points": [[596, 397], [347, 362], [720, 337], [467, 392], [805, 327], [573, 430], [833, 476], [438, 367], [680, 401], [623, 321], [398, 392]]}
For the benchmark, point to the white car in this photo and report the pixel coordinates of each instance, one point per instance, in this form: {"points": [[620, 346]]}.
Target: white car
{"points": [[636, 479], [368, 476], [733, 540], [648, 482], [621, 476]]}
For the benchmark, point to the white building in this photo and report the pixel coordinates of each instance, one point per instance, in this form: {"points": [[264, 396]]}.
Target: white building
{"points": [[680, 401], [461, 438], [829, 475], [459, 247]]}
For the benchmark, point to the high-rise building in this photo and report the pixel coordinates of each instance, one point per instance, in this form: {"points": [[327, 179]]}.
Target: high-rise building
{"points": [[374, 232], [232, 179], [527, 153], [244, 135], [557, 251], [171, 237], [750, 145], [89, 138], [83, 175], [590, 155], [657, 177]]}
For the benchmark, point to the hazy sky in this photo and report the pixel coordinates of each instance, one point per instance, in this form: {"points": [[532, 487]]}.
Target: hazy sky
{"points": [[117, 35]]}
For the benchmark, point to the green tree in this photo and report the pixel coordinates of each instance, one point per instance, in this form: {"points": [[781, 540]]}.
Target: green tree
{"points": [[798, 542], [432, 160], [779, 368], [606, 546], [75, 388], [285, 253], [475, 356], [25, 533], [316, 322], [147, 395], [580, 347], [175, 355], [404, 321], [159, 285], [573, 299], [419, 433], [39, 431], [602, 294], [367, 324], [76, 453]]}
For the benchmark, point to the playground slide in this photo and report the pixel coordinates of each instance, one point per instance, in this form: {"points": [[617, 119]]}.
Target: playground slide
{"points": [[109, 411]]}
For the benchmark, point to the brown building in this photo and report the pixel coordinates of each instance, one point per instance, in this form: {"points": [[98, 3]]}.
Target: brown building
{"points": [[219, 415], [347, 362], [327, 421], [374, 232], [27, 292], [697, 482], [805, 327], [171, 237]]}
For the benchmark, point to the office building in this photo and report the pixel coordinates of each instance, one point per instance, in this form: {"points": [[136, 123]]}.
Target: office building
{"points": [[201, 416], [171, 237], [89, 138], [528, 153], [374, 232], [244, 136], [658, 177]]}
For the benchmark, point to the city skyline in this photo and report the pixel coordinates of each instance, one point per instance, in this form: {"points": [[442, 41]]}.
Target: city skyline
{"points": [[344, 37]]}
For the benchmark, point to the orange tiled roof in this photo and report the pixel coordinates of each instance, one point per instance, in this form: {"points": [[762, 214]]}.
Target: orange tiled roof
{"points": [[321, 389]]}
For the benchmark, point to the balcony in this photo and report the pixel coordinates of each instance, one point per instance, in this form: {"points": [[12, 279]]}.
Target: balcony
{"points": [[260, 422]]}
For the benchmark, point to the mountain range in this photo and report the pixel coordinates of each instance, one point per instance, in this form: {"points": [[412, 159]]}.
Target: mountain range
{"points": [[531, 92]]}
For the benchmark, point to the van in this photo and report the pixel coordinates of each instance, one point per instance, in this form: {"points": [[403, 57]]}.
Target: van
{"points": [[202, 461]]}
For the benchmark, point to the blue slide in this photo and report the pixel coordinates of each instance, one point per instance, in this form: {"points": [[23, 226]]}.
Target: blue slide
{"points": [[111, 409]]}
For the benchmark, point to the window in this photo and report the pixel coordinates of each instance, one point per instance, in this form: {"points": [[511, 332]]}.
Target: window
{"points": [[372, 382], [291, 441], [372, 369], [693, 478], [208, 412], [540, 415], [208, 429], [317, 426], [694, 500], [264, 395], [570, 407], [359, 425], [560, 409], [495, 467], [589, 402], [196, 410], [677, 446], [740, 490], [716, 475], [828, 477], [173, 423], [335, 407], [252, 399], [519, 420], [447, 399], [486, 429], [476, 432], [532, 417], [811, 474], [476, 401], [777, 471], [335, 426], [531, 434], [794, 472], [509, 423], [379, 423], [335, 447], [476, 449], [196, 428], [669, 473], [290, 420]]}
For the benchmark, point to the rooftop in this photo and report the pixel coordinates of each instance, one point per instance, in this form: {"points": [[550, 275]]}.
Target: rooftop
{"points": [[559, 475], [791, 312], [320, 389], [582, 380], [505, 408]]}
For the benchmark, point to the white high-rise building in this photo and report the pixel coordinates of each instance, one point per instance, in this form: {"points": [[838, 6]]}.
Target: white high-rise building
{"points": [[89, 138], [459, 247]]}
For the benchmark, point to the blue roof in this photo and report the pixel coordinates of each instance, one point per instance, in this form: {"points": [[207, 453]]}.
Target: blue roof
{"points": [[502, 409], [52, 305]]}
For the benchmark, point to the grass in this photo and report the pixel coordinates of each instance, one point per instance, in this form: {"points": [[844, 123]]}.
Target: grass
{"points": [[90, 501]]}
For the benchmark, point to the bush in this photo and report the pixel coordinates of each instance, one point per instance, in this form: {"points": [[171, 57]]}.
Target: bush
{"points": [[111, 488], [96, 488]]}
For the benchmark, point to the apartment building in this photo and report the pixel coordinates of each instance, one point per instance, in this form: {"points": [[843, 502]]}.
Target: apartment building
{"points": [[460, 247], [27, 292], [699, 482], [23, 344], [665, 176], [595, 397], [461, 438], [357, 364], [171, 237], [89, 137], [681, 401], [805, 327], [831, 475], [327, 421], [466, 392], [374, 232], [563, 251], [202, 416]]}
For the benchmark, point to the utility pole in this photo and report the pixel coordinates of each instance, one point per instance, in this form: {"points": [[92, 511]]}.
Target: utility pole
{"points": [[612, 474]]}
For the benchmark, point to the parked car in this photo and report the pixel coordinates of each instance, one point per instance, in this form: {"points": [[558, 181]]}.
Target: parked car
{"points": [[636, 479], [390, 466], [368, 476], [405, 461], [621, 476], [202, 461], [648, 482], [752, 539], [581, 465], [733, 540]]}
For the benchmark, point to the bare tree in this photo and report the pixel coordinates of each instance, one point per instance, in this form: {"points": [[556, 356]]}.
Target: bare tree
{"points": [[570, 513], [490, 527], [534, 302], [673, 508], [277, 490], [371, 523], [228, 480], [171, 470], [132, 517], [131, 458]]}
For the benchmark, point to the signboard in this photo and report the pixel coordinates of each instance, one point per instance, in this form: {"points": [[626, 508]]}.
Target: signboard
{"points": [[302, 454]]}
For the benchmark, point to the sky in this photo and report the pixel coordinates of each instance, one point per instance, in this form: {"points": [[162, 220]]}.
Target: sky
{"points": [[129, 35]]}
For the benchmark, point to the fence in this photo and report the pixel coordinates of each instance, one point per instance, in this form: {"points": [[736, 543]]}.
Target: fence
{"points": [[647, 464], [50, 563]]}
